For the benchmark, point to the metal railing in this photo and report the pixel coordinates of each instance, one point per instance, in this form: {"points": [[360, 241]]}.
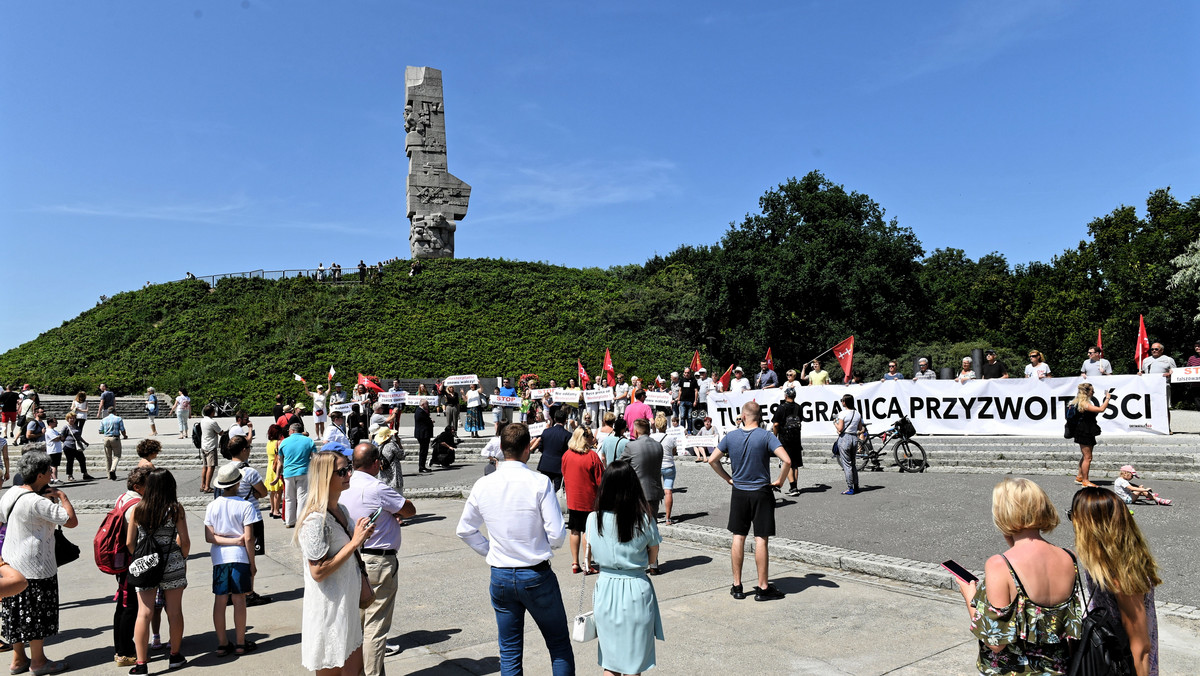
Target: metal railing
{"points": [[347, 276]]}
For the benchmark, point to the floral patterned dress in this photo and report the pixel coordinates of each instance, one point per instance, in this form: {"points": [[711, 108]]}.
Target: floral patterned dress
{"points": [[1034, 637]]}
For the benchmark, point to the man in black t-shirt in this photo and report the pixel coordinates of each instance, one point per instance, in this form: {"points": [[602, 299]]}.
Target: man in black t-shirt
{"points": [[108, 401], [687, 399], [992, 367], [786, 425]]}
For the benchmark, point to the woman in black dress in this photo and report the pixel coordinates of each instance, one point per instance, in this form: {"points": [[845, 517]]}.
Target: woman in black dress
{"points": [[1086, 428]]}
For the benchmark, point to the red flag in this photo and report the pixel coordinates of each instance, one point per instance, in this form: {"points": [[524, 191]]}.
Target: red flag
{"points": [[608, 368], [696, 365], [724, 380], [366, 382], [1142, 349], [844, 352], [584, 379], [1099, 340], [770, 361]]}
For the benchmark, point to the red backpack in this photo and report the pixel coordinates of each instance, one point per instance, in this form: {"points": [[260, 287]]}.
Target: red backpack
{"points": [[109, 544]]}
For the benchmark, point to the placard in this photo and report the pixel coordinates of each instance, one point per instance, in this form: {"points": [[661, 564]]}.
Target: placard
{"points": [[563, 395], [708, 441], [538, 392], [678, 431], [597, 396], [344, 408], [415, 400], [536, 429], [658, 399], [501, 400], [1185, 374], [393, 398], [1018, 406], [461, 380]]}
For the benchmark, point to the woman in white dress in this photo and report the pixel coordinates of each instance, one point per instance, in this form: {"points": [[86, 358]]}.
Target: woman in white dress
{"points": [[320, 411], [331, 634]]}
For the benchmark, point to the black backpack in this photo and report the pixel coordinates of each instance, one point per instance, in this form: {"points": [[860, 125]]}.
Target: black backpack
{"points": [[197, 435], [1103, 648], [149, 561], [1072, 421]]}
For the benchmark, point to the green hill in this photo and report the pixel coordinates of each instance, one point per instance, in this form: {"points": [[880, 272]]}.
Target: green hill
{"points": [[246, 337]]}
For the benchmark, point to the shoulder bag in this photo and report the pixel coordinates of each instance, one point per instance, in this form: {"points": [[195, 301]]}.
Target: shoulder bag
{"points": [[1102, 648], [583, 626], [150, 559]]}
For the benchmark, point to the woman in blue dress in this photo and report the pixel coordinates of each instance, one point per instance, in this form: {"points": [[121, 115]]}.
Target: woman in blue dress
{"points": [[624, 539]]}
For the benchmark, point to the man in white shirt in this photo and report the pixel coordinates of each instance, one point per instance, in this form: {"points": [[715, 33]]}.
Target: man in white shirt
{"points": [[621, 395], [704, 385], [740, 382], [1096, 364], [242, 426], [210, 440], [1158, 362], [522, 516]]}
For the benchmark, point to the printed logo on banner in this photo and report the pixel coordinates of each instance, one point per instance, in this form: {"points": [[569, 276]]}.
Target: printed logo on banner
{"points": [[461, 380], [536, 429], [658, 398], [597, 396]]}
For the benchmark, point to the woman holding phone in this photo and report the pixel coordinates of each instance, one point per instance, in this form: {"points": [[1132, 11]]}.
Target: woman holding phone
{"points": [[1027, 605], [1087, 429]]}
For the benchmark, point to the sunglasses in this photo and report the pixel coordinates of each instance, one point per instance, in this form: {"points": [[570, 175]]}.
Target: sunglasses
{"points": [[345, 471], [1069, 514]]}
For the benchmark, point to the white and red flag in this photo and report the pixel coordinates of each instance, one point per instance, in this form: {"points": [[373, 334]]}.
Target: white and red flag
{"points": [[608, 368], [1142, 349], [584, 378], [297, 377], [332, 373], [844, 353], [770, 360]]}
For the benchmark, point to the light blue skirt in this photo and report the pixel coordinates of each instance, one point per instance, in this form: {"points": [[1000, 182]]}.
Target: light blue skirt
{"points": [[627, 620]]}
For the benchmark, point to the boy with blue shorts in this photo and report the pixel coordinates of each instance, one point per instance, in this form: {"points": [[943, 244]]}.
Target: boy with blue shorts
{"points": [[229, 528]]}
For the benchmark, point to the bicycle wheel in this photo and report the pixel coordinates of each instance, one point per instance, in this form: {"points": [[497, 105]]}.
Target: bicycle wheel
{"points": [[862, 454], [910, 457]]}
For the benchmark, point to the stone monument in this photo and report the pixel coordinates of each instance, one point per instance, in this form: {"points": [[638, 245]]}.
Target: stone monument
{"points": [[436, 198]]}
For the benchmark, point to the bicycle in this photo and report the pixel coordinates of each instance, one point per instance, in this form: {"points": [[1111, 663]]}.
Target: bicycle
{"points": [[909, 455], [226, 406]]}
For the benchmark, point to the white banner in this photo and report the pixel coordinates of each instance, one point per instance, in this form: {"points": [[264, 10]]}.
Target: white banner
{"points": [[570, 397], [461, 380], [1185, 374], [536, 429], [498, 400], [415, 400], [393, 398], [678, 431], [696, 440], [538, 392], [1016, 406], [658, 399], [344, 408], [597, 396]]}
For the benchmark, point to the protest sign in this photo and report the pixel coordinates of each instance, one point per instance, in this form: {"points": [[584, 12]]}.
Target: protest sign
{"points": [[393, 398], [461, 380], [570, 397], [597, 396], [499, 400], [344, 408], [1026, 407], [1185, 374], [415, 400], [708, 441], [538, 392], [536, 429], [658, 399], [677, 431]]}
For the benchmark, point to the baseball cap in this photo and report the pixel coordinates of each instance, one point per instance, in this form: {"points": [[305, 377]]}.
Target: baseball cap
{"points": [[1130, 469]]}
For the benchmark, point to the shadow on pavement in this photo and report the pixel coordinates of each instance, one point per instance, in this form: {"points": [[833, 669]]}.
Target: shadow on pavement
{"points": [[424, 518], [795, 585], [424, 637], [487, 665], [685, 517], [680, 564], [819, 488], [864, 489]]}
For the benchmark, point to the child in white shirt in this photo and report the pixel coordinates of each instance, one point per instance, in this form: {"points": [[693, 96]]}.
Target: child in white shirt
{"points": [[1131, 493]]}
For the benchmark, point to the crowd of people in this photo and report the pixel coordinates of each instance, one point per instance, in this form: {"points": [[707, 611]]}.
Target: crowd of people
{"points": [[340, 487]]}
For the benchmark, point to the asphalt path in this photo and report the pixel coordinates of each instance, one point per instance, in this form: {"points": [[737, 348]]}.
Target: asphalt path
{"points": [[926, 517]]}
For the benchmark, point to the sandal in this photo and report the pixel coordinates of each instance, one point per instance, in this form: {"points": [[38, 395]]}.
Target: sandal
{"points": [[1087, 484], [668, 522], [247, 647], [593, 569], [575, 569], [224, 650]]}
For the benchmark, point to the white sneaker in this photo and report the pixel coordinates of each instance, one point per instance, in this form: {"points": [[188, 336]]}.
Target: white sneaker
{"points": [[392, 649]]}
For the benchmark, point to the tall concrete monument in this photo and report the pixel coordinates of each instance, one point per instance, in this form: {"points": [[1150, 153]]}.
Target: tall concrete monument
{"points": [[436, 198]]}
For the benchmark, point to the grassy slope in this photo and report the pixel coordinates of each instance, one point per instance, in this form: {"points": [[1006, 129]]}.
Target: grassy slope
{"points": [[247, 337]]}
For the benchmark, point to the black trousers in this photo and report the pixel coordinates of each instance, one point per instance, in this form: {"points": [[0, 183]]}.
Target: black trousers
{"points": [[124, 618], [74, 454], [423, 454]]}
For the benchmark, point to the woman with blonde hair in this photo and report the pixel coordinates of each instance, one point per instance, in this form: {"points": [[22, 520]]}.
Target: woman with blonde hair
{"points": [[1026, 607], [1121, 571], [331, 635], [582, 469], [1086, 428], [668, 444]]}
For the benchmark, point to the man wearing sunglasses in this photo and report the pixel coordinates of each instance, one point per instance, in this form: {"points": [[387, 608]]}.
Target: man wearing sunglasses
{"points": [[1096, 364], [1158, 362]]}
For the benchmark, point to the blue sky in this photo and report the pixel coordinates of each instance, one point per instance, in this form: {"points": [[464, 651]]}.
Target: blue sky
{"points": [[143, 139]]}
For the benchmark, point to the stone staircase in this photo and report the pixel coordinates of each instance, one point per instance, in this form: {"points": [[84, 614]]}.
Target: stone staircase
{"points": [[181, 454]]}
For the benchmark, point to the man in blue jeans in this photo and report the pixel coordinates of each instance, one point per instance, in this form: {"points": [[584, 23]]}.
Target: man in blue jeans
{"points": [[522, 516]]}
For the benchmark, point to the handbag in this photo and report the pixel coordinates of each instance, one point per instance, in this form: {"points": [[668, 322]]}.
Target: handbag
{"points": [[583, 626], [366, 595], [65, 551], [1103, 647], [149, 561]]}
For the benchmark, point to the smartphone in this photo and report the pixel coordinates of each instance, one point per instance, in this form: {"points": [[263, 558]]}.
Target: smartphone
{"points": [[958, 571], [379, 511]]}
